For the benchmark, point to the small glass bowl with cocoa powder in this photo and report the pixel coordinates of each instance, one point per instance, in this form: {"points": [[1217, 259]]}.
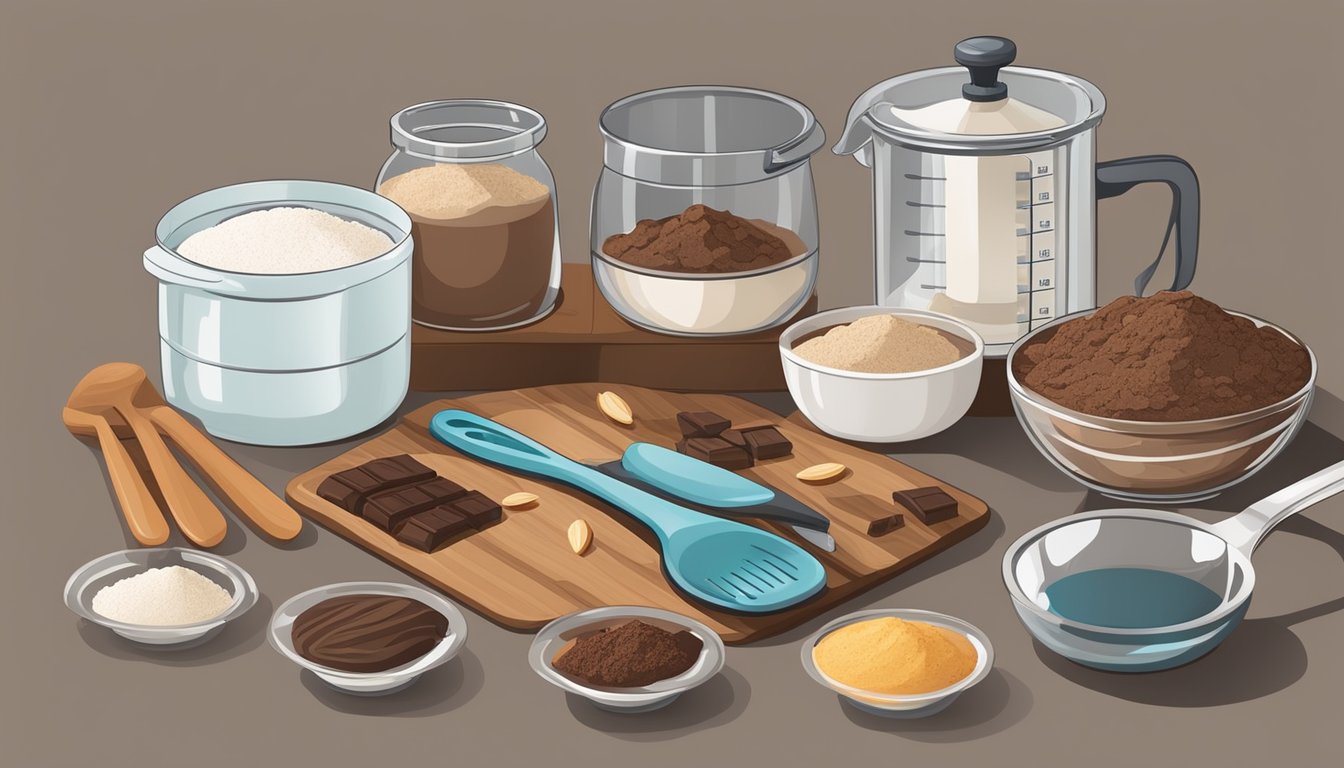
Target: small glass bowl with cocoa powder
{"points": [[1178, 415], [561, 636]]}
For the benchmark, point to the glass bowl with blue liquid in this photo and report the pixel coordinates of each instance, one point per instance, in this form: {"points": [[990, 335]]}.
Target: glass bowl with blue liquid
{"points": [[1133, 590]]}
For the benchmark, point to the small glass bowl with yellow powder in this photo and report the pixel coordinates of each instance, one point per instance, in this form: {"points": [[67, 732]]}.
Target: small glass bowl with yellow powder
{"points": [[896, 662]]}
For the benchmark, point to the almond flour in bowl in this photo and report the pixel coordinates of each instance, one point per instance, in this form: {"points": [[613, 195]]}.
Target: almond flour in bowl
{"points": [[883, 343]]}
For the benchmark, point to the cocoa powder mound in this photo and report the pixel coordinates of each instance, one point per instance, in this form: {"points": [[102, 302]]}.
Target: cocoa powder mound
{"points": [[630, 655], [1172, 356], [699, 239]]}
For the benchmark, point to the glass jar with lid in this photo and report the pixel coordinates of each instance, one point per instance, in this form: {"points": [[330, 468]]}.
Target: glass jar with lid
{"points": [[482, 207], [704, 220]]}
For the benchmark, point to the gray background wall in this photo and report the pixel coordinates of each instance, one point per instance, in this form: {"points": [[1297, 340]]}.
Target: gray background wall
{"points": [[113, 112]]}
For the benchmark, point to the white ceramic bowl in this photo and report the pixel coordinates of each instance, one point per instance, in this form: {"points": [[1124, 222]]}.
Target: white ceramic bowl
{"points": [[109, 569], [881, 407], [892, 705], [554, 636], [693, 304], [369, 683]]}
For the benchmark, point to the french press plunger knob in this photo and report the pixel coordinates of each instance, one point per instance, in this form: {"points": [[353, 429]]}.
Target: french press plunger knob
{"points": [[984, 56]]}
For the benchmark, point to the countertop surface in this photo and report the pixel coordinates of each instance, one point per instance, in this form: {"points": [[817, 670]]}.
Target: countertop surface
{"points": [[115, 112], [78, 694]]}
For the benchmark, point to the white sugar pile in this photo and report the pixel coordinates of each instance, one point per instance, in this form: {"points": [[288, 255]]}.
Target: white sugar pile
{"points": [[284, 241], [162, 597]]}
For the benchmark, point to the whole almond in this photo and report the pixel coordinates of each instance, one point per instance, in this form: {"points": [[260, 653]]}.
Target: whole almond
{"points": [[580, 536], [519, 499], [818, 473], [615, 408]]}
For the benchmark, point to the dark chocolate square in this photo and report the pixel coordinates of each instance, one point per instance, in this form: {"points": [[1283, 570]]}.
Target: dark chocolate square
{"points": [[340, 494], [701, 423], [430, 529], [389, 509], [478, 508], [930, 504], [716, 451], [767, 443], [358, 480], [398, 470]]}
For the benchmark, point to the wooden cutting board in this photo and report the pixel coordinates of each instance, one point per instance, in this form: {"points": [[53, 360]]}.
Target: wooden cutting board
{"points": [[521, 572]]}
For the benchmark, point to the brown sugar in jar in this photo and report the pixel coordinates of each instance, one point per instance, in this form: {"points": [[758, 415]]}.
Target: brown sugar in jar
{"points": [[484, 244], [1168, 357]]}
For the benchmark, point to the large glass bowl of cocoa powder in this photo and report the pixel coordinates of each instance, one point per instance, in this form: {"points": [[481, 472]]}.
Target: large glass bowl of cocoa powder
{"points": [[1164, 399]]}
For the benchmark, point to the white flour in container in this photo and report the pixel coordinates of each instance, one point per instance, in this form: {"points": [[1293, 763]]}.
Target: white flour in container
{"points": [[284, 241], [162, 597]]}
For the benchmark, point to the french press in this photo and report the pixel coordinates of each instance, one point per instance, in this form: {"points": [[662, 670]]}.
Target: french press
{"points": [[985, 190]]}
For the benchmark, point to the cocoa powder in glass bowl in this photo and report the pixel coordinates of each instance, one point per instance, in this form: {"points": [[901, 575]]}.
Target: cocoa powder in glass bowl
{"points": [[1168, 357]]}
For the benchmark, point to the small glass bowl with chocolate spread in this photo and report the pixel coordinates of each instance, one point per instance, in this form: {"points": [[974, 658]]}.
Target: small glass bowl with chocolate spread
{"points": [[589, 653], [368, 638]]}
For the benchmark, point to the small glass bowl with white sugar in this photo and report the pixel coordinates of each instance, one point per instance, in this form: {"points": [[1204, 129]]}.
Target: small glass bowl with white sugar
{"points": [[140, 595]]}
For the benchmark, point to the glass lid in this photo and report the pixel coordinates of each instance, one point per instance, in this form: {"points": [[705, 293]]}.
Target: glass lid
{"points": [[980, 107]]}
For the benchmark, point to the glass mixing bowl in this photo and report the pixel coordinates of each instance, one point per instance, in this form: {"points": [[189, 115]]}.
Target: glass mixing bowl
{"points": [[1157, 461]]}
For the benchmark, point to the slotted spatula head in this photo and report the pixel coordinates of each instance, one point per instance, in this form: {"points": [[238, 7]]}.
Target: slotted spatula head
{"points": [[741, 568]]}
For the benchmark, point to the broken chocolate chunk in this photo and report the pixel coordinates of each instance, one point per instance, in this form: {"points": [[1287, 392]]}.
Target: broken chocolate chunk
{"points": [[930, 504], [766, 443], [734, 436], [430, 529], [716, 451], [701, 423]]}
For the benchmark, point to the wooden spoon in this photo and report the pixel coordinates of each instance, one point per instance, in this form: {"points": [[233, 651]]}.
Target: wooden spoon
{"points": [[117, 385], [246, 493], [143, 516]]}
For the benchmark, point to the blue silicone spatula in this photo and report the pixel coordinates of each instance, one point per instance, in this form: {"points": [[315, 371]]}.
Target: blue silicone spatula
{"points": [[721, 562]]}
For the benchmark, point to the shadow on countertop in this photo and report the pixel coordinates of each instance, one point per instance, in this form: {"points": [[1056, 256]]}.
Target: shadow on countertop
{"points": [[997, 703], [440, 690], [720, 700]]}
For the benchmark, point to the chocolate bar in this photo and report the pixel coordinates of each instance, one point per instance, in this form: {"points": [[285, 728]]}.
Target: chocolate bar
{"points": [[766, 443], [389, 509], [350, 488], [701, 423], [430, 529], [716, 451], [930, 504], [477, 508]]}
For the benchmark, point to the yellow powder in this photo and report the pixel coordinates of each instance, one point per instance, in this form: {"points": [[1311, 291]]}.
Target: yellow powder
{"points": [[880, 344], [453, 191], [893, 656]]}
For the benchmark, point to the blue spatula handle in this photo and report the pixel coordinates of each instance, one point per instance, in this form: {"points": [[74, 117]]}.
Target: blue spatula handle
{"points": [[691, 478], [493, 442]]}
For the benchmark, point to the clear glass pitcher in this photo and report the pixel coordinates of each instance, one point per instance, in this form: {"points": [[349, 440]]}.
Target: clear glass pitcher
{"points": [[985, 184]]}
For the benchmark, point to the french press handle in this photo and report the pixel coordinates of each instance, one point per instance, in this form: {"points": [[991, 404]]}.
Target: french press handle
{"points": [[1117, 177]]}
